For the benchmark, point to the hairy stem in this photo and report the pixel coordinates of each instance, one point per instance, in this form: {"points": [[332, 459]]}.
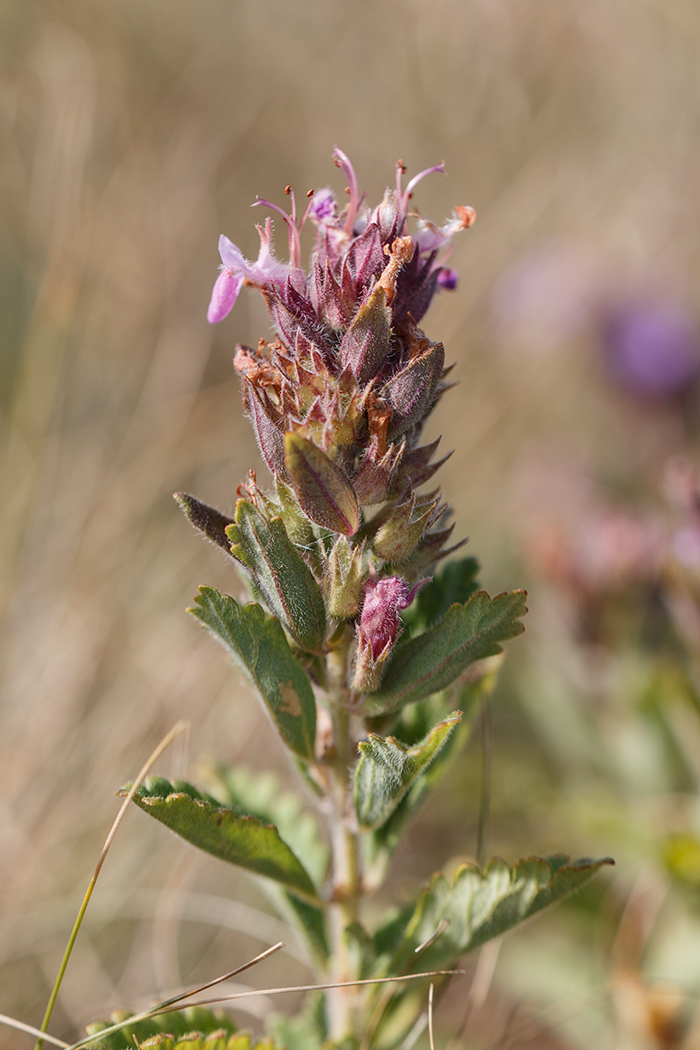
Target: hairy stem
{"points": [[347, 876]]}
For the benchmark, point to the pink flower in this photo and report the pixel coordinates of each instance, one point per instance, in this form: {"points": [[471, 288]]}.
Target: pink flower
{"points": [[379, 620], [266, 271]]}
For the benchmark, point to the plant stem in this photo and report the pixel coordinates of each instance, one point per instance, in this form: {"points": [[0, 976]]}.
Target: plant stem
{"points": [[345, 903]]}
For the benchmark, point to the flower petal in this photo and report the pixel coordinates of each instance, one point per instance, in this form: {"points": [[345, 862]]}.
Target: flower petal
{"points": [[224, 295]]}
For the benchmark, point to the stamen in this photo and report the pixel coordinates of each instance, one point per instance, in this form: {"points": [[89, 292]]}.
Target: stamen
{"points": [[290, 193], [294, 242], [348, 171], [310, 195], [402, 198]]}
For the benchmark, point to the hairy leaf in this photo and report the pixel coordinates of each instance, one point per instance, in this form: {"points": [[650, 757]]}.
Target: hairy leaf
{"points": [[260, 648], [378, 846], [434, 659], [245, 841], [207, 519], [455, 582], [387, 769], [476, 907], [260, 795], [280, 574]]}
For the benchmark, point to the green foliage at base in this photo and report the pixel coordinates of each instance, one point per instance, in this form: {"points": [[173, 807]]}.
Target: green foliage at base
{"points": [[194, 1028]]}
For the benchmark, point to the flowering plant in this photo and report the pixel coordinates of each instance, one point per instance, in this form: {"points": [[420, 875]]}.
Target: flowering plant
{"points": [[370, 659]]}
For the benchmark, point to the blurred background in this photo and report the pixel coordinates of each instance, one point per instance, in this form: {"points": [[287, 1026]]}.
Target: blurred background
{"points": [[132, 134]]}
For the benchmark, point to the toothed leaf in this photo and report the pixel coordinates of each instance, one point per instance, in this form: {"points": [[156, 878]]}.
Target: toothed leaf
{"points": [[259, 795], [455, 582], [476, 907], [259, 647], [379, 845], [387, 769], [241, 840], [466, 633]]}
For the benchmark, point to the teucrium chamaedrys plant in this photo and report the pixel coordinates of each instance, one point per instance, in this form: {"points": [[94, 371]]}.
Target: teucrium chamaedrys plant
{"points": [[369, 660]]}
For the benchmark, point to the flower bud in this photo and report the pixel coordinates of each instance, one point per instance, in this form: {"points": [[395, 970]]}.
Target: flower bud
{"points": [[412, 392], [367, 342], [378, 628]]}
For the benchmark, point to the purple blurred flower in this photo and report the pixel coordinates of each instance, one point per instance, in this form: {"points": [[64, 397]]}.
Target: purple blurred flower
{"points": [[544, 298], [447, 278], [379, 620], [651, 348]]}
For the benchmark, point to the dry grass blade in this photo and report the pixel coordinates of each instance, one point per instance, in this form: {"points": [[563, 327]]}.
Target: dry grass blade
{"points": [[166, 1003], [431, 1034], [177, 729], [441, 927], [20, 1026]]}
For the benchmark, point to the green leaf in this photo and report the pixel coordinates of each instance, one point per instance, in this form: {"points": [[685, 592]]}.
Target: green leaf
{"points": [[378, 846], [259, 795], [260, 648], [245, 841], [387, 769], [476, 907], [192, 1029], [307, 919], [280, 574], [433, 660], [455, 582], [305, 1030]]}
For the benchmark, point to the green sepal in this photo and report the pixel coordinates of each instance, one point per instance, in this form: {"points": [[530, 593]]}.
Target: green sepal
{"points": [[428, 663], [454, 582], [280, 574], [387, 769], [324, 492], [296, 523], [343, 580], [404, 527], [260, 648], [241, 840], [195, 1028], [475, 908]]}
